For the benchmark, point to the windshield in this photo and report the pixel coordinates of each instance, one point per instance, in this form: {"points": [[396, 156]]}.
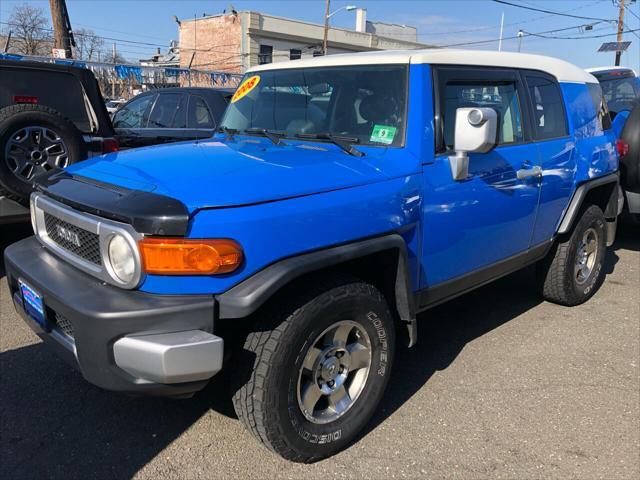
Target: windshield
{"points": [[620, 92], [362, 102]]}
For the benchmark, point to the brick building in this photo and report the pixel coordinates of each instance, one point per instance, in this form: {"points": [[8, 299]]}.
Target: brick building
{"points": [[234, 42]]}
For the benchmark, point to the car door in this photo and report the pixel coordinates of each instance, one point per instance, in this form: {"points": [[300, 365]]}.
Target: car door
{"points": [[487, 219], [166, 120], [132, 119], [556, 151]]}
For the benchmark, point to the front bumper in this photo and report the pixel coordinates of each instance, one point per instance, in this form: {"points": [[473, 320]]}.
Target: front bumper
{"points": [[120, 340]]}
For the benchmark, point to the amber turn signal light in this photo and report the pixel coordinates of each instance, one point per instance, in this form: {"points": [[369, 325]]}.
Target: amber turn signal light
{"points": [[177, 256]]}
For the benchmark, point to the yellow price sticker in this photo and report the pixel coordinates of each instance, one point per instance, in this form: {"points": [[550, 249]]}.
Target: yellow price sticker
{"points": [[245, 88]]}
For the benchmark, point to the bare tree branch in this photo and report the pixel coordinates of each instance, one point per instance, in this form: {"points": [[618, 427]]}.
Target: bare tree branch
{"points": [[88, 44], [31, 31]]}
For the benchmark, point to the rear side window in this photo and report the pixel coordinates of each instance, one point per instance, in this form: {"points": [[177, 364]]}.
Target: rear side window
{"points": [[58, 90], [501, 96], [549, 119], [199, 114], [164, 110], [600, 105], [134, 114], [180, 120], [620, 92]]}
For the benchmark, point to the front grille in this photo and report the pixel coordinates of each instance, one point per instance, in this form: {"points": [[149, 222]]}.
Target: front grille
{"points": [[64, 325], [78, 241]]}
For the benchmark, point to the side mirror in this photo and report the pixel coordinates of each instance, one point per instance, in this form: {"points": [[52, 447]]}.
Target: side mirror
{"points": [[475, 131]]}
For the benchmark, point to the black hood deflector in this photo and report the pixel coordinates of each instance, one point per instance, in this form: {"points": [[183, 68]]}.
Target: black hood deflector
{"points": [[148, 212]]}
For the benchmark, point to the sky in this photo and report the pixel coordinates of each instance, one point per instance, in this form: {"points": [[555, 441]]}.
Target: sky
{"points": [[439, 22]]}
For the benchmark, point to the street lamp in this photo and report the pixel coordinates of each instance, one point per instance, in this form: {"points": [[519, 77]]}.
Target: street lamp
{"points": [[327, 16], [348, 8]]}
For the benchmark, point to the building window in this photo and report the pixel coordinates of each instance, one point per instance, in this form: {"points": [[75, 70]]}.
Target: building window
{"points": [[266, 54], [295, 54]]}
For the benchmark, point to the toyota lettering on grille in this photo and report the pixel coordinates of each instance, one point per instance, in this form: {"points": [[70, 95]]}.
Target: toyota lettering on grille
{"points": [[68, 235]]}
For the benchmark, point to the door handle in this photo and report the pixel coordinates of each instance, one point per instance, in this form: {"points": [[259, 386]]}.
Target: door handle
{"points": [[529, 172]]}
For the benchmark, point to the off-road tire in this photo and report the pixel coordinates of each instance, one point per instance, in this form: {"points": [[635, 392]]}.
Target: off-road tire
{"points": [[556, 273], [630, 164], [265, 397], [13, 118]]}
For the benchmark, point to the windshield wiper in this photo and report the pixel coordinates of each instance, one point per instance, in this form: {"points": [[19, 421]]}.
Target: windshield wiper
{"points": [[345, 143], [229, 132], [273, 135]]}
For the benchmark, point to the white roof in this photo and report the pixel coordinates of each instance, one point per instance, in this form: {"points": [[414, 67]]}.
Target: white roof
{"points": [[563, 71]]}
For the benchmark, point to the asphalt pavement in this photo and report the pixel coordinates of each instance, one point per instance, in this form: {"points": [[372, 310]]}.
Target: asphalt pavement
{"points": [[500, 385]]}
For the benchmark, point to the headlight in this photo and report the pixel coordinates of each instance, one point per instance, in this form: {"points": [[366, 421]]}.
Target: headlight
{"points": [[122, 258]]}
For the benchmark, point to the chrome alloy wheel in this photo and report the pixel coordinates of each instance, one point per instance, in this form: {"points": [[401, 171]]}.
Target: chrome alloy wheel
{"points": [[34, 150], [334, 372], [586, 255]]}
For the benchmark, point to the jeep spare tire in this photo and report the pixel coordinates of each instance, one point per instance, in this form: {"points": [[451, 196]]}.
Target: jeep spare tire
{"points": [[630, 164], [34, 139]]}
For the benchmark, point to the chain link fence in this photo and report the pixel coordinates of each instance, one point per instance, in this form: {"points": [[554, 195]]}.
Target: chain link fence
{"points": [[123, 81]]}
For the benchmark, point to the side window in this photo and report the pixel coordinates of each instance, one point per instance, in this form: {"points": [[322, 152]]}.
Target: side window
{"points": [[599, 103], [180, 120], [164, 110], [501, 96], [549, 119], [134, 114], [265, 55], [295, 54], [199, 115]]}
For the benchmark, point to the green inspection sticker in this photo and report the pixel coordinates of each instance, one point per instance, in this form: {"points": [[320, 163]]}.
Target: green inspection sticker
{"points": [[383, 134]]}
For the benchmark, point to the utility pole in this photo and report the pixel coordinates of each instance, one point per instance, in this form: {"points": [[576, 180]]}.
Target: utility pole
{"points": [[113, 81], [7, 42], [325, 41], [501, 31], [520, 35], [61, 27], [620, 30]]}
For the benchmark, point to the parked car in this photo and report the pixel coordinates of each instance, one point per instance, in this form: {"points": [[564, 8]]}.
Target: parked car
{"points": [[170, 115], [114, 105], [51, 116], [344, 195], [41, 128], [621, 87]]}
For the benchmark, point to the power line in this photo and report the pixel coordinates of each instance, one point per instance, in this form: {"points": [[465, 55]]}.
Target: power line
{"points": [[534, 19], [551, 12], [579, 38], [134, 42], [539, 34]]}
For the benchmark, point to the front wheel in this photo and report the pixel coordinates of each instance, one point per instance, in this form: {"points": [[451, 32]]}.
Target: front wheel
{"points": [[318, 368]]}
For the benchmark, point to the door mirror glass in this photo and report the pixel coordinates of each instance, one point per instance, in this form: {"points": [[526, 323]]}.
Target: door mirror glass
{"points": [[475, 131]]}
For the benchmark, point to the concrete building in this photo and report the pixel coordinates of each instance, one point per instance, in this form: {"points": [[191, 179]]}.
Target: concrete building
{"points": [[239, 40]]}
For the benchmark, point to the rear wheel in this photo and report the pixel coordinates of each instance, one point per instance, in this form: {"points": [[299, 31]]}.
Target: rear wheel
{"points": [[573, 271], [317, 370], [34, 140]]}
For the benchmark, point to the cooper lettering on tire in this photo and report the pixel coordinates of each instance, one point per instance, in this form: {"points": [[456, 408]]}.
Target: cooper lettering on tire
{"points": [[317, 366]]}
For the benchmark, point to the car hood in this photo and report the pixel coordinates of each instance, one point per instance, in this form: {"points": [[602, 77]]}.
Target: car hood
{"points": [[214, 173]]}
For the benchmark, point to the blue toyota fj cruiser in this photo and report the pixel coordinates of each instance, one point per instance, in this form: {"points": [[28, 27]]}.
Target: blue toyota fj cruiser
{"points": [[343, 195]]}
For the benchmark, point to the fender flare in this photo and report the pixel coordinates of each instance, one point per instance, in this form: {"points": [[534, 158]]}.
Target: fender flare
{"points": [[246, 297], [580, 194]]}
